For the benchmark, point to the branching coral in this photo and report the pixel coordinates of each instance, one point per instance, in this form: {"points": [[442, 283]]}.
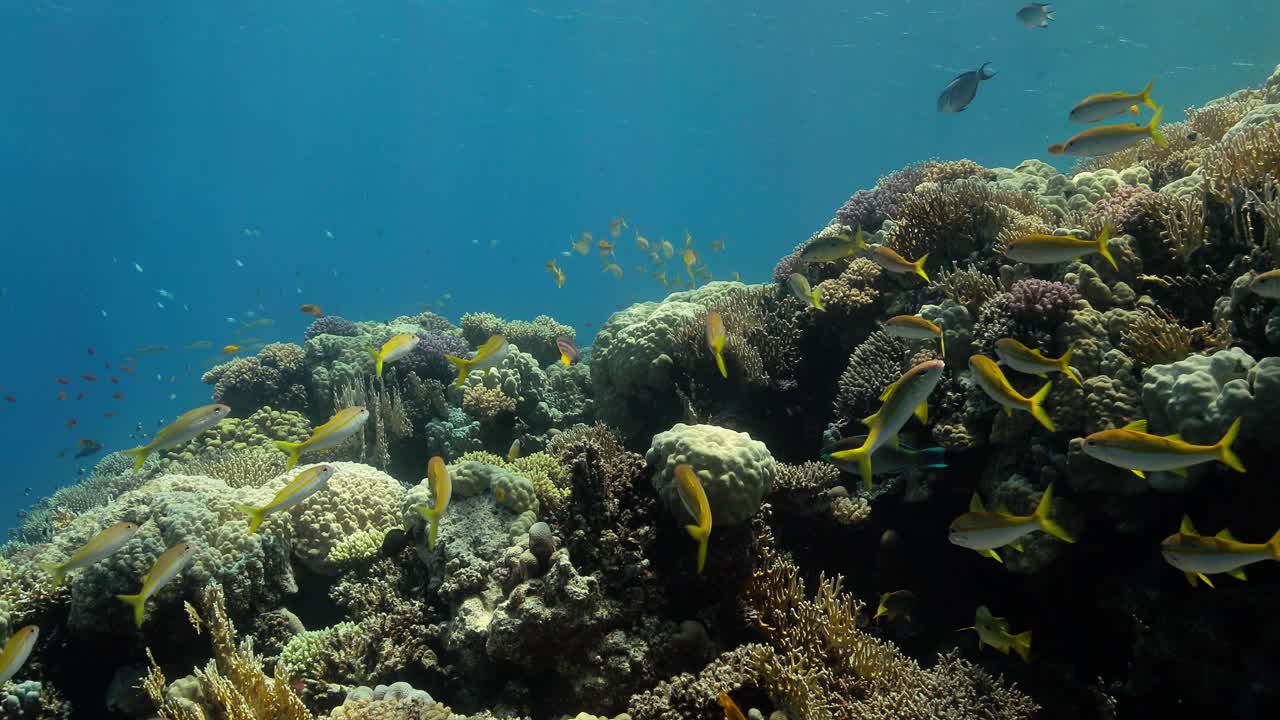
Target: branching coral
{"points": [[485, 403], [969, 287], [1243, 160], [874, 364], [951, 221], [275, 376], [1154, 337], [330, 325], [1184, 220], [388, 418], [537, 338], [244, 467], [852, 297], [1041, 302]]}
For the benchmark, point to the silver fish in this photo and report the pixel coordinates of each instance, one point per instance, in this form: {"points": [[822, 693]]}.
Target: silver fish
{"points": [[1035, 15]]}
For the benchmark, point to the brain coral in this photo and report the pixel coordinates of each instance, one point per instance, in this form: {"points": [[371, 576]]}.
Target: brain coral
{"points": [[735, 471], [358, 498]]}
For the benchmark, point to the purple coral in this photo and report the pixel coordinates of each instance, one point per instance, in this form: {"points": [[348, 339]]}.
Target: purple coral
{"points": [[870, 208], [427, 359], [330, 325], [1132, 210], [1041, 301]]}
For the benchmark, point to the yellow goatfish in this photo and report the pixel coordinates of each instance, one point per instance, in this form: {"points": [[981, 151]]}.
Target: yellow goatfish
{"points": [[1026, 360], [102, 546], [1132, 448], [1200, 556], [833, 246], [302, 486], [715, 340], [915, 327], [1266, 284], [441, 490], [991, 379], [491, 354], [392, 350], [907, 395], [1111, 138], [994, 631], [799, 286], [1105, 105], [344, 423], [187, 426], [694, 498], [16, 651], [889, 259], [1039, 249], [166, 568], [985, 531]]}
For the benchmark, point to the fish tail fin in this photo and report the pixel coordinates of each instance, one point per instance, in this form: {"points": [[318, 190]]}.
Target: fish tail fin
{"points": [[724, 372], [1037, 407], [1103, 249], [1048, 12], [1225, 453], [57, 573], [817, 299], [139, 604], [919, 265], [139, 456], [859, 240], [1146, 95], [464, 367], [294, 451], [942, 341], [1022, 645], [700, 534], [982, 72], [935, 457], [1067, 369], [1153, 129], [1046, 523], [377, 361], [256, 516], [1274, 545]]}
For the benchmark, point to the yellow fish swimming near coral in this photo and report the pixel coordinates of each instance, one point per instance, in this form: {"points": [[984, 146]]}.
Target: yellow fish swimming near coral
{"points": [[694, 499], [102, 546], [392, 350], [344, 423], [994, 631], [984, 531], [441, 491], [1133, 448], [1033, 362], [302, 486], [988, 375], [1036, 249], [16, 651], [1199, 556], [715, 340], [187, 426], [491, 354], [165, 569]]}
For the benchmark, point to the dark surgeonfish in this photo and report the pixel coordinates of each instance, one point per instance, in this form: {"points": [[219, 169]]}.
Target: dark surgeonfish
{"points": [[957, 95]]}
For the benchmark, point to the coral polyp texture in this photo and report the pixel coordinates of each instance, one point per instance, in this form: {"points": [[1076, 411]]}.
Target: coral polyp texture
{"points": [[1027, 477]]}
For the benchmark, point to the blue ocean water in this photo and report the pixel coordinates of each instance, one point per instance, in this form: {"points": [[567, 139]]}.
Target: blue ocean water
{"points": [[376, 158]]}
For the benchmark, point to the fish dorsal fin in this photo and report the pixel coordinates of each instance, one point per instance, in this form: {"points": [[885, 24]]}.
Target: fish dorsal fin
{"points": [[1037, 353], [1002, 508], [975, 504], [1137, 426], [1174, 437], [922, 412], [1186, 528], [1238, 574], [888, 391], [1225, 534], [868, 420]]}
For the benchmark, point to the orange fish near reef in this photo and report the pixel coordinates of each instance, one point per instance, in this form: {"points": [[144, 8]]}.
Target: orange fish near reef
{"points": [[61, 396], [126, 368], [90, 378], [312, 310], [568, 350], [731, 709], [62, 381], [230, 349]]}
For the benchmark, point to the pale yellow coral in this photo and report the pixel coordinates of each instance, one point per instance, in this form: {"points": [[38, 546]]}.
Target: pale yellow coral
{"points": [[486, 403]]}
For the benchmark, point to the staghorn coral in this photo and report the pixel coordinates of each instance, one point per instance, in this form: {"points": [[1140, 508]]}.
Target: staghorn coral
{"points": [[1183, 218], [275, 376], [969, 287], [1243, 159], [1155, 337]]}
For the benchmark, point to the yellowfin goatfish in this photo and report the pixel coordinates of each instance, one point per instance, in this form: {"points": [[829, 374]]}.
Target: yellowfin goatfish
{"points": [[1105, 105], [392, 350], [994, 631], [102, 546], [344, 423], [894, 605], [1049, 249], [16, 651], [991, 379], [1035, 15], [887, 459], [907, 395], [889, 259], [166, 568], [715, 340], [914, 327], [1266, 284], [1111, 138], [187, 426], [568, 350], [490, 354], [554, 270], [799, 286], [302, 486], [1200, 556], [441, 490], [985, 531], [831, 247], [694, 499], [1132, 448], [1026, 360]]}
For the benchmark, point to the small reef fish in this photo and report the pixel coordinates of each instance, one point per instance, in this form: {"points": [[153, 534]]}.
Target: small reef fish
{"points": [[490, 354], [888, 459], [715, 340], [1266, 284], [1111, 138], [994, 631], [230, 349], [906, 396], [668, 250], [441, 491], [62, 395], [889, 259], [513, 452], [958, 93], [1200, 555], [1133, 449], [302, 486], [89, 378], [198, 345], [16, 651], [833, 247], [166, 568], [583, 245], [102, 546], [1031, 361], [988, 375], [150, 349], [694, 499], [344, 423], [312, 310], [1050, 249], [187, 426], [717, 245], [1106, 105], [799, 286], [1035, 15], [392, 350], [260, 322], [568, 350], [914, 327], [62, 381], [984, 531], [690, 259], [88, 447], [731, 709], [72, 423], [613, 269], [642, 242], [556, 271], [616, 226], [894, 605]]}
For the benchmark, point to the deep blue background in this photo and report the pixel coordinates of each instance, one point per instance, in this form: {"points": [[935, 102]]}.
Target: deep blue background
{"points": [[453, 147]]}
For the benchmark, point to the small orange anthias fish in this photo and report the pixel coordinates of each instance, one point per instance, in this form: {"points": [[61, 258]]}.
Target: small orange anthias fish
{"points": [[230, 349], [312, 310], [568, 350], [731, 710]]}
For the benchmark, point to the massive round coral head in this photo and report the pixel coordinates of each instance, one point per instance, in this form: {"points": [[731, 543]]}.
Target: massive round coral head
{"points": [[736, 472]]}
